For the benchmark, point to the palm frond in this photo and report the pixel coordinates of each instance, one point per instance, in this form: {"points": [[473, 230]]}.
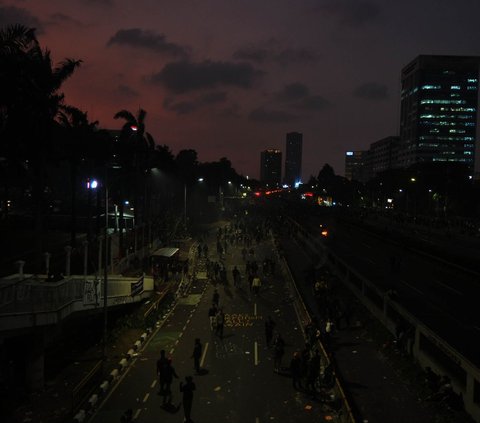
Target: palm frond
{"points": [[126, 115]]}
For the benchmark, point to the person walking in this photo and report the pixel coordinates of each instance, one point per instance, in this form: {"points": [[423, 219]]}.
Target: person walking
{"points": [[162, 363], [197, 354], [256, 284], [187, 398], [168, 375]]}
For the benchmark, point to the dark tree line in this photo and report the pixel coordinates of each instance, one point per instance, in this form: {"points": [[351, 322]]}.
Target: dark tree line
{"points": [[49, 149]]}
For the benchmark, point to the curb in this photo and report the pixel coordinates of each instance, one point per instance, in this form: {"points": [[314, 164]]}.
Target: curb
{"points": [[100, 393]]}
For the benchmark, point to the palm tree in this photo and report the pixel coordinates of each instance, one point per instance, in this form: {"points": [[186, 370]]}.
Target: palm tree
{"points": [[132, 150], [30, 102]]}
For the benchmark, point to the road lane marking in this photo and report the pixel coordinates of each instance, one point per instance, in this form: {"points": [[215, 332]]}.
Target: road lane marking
{"points": [[153, 384], [171, 351], [204, 354], [412, 287], [145, 398], [256, 353], [257, 420], [137, 413], [449, 287], [127, 371], [255, 309], [370, 260]]}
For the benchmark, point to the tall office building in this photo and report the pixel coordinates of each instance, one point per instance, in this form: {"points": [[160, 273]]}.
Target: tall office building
{"points": [[293, 158], [439, 103], [382, 156], [355, 165], [271, 167]]}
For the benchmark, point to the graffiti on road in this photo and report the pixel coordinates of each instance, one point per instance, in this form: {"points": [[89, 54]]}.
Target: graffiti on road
{"points": [[241, 320]]}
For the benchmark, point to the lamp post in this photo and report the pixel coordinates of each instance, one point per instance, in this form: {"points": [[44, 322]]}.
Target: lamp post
{"points": [[92, 184], [105, 272]]}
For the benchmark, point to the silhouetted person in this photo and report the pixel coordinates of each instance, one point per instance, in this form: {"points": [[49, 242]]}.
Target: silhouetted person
{"points": [[219, 323], [197, 354], [216, 297], [168, 375], [187, 399], [162, 363], [269, 326], [212, 313], [278, 352], [236, 276], [296, 371]]}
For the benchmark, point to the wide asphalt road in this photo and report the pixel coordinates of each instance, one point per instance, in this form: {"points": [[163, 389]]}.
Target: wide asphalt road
{"points": [[238, 384]]}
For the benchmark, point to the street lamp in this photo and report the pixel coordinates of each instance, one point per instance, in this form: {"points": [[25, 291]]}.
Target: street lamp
{"points": [[92, 185]]}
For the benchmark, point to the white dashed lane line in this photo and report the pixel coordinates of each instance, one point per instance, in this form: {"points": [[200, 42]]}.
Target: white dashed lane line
{"points": [[204, 354], [153, 384]]}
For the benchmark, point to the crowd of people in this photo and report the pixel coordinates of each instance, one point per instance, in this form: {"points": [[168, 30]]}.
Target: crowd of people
{"points": [[305, 365]]}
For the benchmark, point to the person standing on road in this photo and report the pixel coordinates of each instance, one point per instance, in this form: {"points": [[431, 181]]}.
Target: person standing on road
{"points": [[187, 399], [219, 323], [269, 326], [278, 352], [212, 313], [197, 354], [168, 375], [236, 276], [296, 371], [216, 297]]}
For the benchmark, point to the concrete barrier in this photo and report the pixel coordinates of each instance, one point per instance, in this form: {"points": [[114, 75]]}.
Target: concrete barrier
{"points": [[123, 363]]}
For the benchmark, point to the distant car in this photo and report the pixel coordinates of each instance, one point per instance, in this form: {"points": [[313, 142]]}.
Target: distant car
{"points": [[324, 230]]}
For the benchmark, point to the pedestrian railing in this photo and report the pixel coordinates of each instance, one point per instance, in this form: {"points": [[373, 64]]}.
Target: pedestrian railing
{"points": [[35, 301]]}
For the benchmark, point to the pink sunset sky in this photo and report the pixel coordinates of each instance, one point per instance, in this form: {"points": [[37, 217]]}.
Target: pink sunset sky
{"points": [[230, 78]]}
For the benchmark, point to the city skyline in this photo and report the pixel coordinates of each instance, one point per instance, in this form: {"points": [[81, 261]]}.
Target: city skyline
{"points": [[226, 91]]}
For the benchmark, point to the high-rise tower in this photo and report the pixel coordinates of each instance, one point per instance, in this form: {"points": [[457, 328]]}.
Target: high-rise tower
{"points": [[439, 110], [293, 158]]}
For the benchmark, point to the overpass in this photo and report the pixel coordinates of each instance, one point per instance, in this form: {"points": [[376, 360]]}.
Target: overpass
{"points": [[33, 300]]}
